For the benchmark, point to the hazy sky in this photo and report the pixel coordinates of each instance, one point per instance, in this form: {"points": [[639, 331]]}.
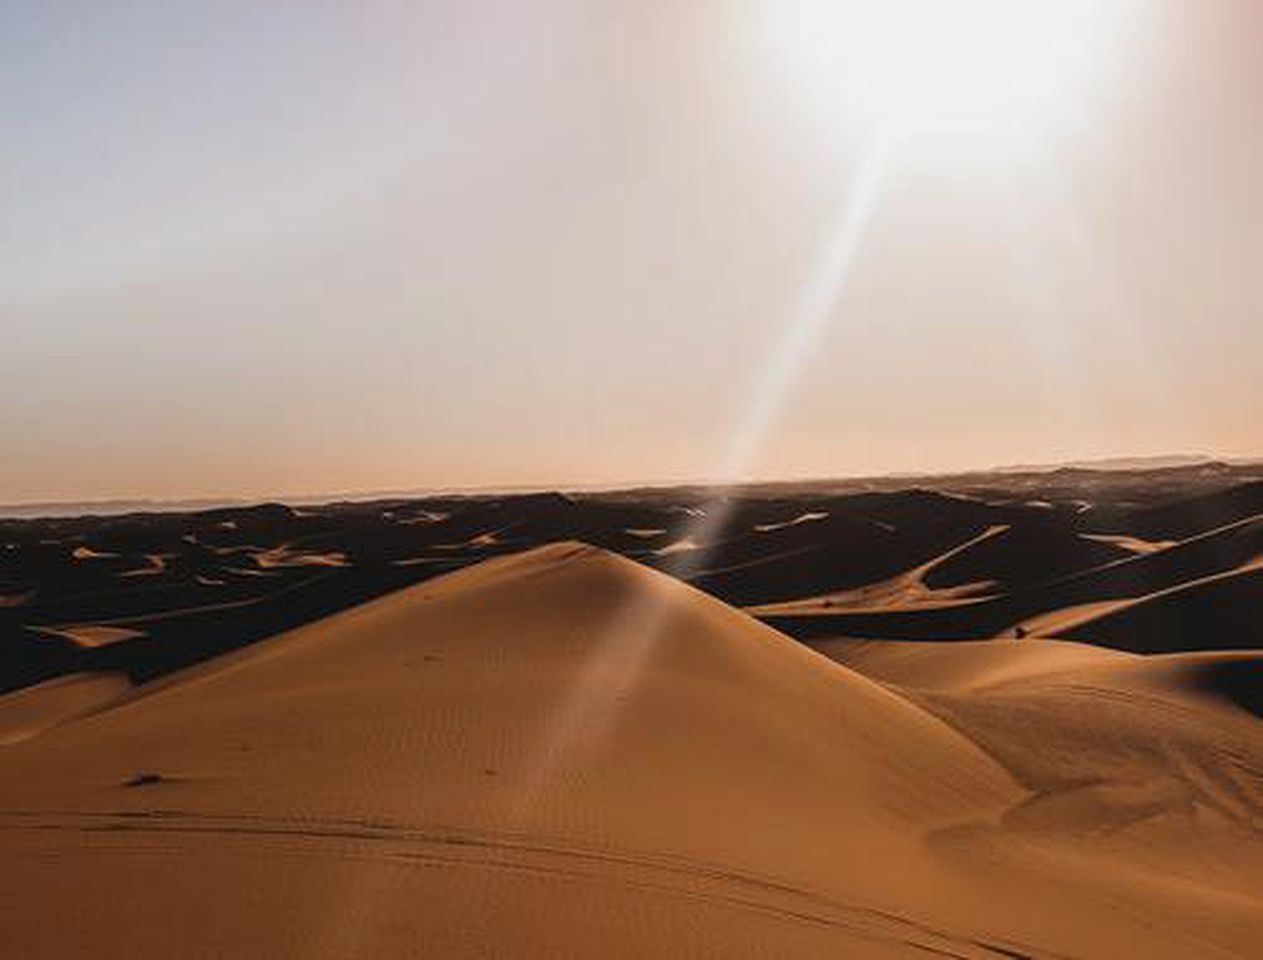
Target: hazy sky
{"points": [[261, 248]]}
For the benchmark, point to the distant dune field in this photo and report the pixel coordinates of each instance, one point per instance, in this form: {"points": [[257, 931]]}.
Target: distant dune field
{"points": [[983, 721]]}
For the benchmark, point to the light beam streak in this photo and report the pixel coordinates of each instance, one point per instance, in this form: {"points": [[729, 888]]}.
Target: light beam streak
{"points": [[619, 655]]}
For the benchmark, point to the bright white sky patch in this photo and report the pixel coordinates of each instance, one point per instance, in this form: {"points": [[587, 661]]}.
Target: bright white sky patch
{"points": [[964, 68]]}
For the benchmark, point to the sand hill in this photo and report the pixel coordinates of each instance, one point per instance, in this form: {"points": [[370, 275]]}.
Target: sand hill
{"points": [[563, 753]]}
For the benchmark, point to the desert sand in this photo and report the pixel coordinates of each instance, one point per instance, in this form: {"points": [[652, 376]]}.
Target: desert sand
{"points": [[564, 753]]}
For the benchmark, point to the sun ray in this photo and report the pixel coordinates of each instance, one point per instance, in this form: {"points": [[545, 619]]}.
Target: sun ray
{"points": [[619, 655]]}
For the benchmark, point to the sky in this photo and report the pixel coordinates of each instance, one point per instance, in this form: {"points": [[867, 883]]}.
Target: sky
{"points": [[301, 247]]}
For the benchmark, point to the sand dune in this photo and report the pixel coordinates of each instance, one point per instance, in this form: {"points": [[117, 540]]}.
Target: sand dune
{"points": [[409, 752], [967, 665], [1146, 773], [865, 550], [91, 635], [1131, 544], [1067, 605], [1023, 555], [1220, 611], [562, 753], [830, 556], [285, 556], [1188, 517], [28, 713], [906, 591]]}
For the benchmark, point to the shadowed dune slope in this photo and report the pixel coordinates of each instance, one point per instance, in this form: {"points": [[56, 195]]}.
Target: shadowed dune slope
{"points": [[1217, 612], [561, 753], [1189, 516], [1024, 555], [147, 594], [1209, 578]]}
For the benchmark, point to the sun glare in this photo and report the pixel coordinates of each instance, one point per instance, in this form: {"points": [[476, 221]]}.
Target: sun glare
{"points": [[948, 68]]}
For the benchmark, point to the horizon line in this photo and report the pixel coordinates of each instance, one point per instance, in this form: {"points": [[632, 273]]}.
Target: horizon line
{"points": [[1115, 464]]}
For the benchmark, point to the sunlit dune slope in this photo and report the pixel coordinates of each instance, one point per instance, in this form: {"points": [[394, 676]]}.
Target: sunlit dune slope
{"points": [[1146, 773], [27, 713], [961, 666], [561, 753], [499, 760]]}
